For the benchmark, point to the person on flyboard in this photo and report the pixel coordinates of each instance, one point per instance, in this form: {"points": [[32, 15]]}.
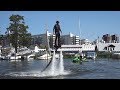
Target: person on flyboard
{"points": [[56, 31]]}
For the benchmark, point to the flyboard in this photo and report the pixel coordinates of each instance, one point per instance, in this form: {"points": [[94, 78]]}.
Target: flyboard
{"points": [[55, 49]]}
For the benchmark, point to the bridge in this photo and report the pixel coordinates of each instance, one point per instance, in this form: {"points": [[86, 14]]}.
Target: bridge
{"points": [[83, 47]]}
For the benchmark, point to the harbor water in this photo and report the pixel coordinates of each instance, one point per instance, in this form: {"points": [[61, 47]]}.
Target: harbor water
{"points": [[92, 69]]}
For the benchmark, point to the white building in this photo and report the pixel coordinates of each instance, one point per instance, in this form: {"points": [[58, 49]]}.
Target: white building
{"points": [[85, 41], [70, 39], [115, 47], [41, 39]]}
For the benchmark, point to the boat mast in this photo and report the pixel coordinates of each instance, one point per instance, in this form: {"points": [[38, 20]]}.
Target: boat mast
{"points": [[79, 30], [47, 40]]}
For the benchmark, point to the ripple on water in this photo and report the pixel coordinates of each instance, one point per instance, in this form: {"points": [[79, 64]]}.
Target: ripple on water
{"points": [[37, 74]]}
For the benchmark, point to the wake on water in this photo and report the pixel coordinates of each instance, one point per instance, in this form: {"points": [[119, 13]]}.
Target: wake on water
{"points": [[54, 69]]}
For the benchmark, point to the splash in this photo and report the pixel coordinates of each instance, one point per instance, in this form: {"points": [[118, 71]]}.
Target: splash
{"points": [[55, 69], [53, 66], [61, 67]]}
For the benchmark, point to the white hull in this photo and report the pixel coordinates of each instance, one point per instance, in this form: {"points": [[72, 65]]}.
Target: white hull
{"points": [[14, 58], [45, 57]]}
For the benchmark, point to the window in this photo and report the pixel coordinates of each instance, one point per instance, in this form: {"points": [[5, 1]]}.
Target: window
{"points": [[105, 48]]}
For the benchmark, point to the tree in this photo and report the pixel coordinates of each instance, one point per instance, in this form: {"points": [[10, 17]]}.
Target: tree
{"points": [[1, 39], [17, 32]]}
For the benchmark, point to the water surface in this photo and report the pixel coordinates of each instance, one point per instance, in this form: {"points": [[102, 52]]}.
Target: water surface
{"points": [[98, 69]]}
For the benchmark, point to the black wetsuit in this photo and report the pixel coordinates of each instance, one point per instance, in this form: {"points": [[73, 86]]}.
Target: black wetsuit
{"points": [[57, 33]]}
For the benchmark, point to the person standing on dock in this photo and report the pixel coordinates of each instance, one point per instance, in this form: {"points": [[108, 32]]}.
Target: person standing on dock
{"points": [[56, 31]]}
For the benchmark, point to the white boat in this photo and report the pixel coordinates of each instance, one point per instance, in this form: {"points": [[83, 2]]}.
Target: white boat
{"points": [[31, 56], [13, 60], [91, 55], [14, 57], [45, 57]]}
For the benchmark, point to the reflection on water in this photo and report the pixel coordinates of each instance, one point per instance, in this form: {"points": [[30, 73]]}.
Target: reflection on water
{"points": [[99, 69]]}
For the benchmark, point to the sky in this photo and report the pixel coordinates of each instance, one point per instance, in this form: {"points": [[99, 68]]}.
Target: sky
{"points": [[92, 23]]}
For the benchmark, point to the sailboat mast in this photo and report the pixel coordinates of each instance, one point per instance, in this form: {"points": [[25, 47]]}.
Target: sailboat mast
{"points": [[47, 40], [79, 30]]}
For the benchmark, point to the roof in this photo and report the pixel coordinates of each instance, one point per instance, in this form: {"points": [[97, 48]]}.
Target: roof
{"points": [[111, 45]]}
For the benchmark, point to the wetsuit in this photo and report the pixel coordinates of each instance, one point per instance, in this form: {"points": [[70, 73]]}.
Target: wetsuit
{"points": [[57, 33]]}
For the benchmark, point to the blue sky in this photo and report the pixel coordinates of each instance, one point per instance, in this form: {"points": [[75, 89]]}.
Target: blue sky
{"points": [[92, 23]]}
